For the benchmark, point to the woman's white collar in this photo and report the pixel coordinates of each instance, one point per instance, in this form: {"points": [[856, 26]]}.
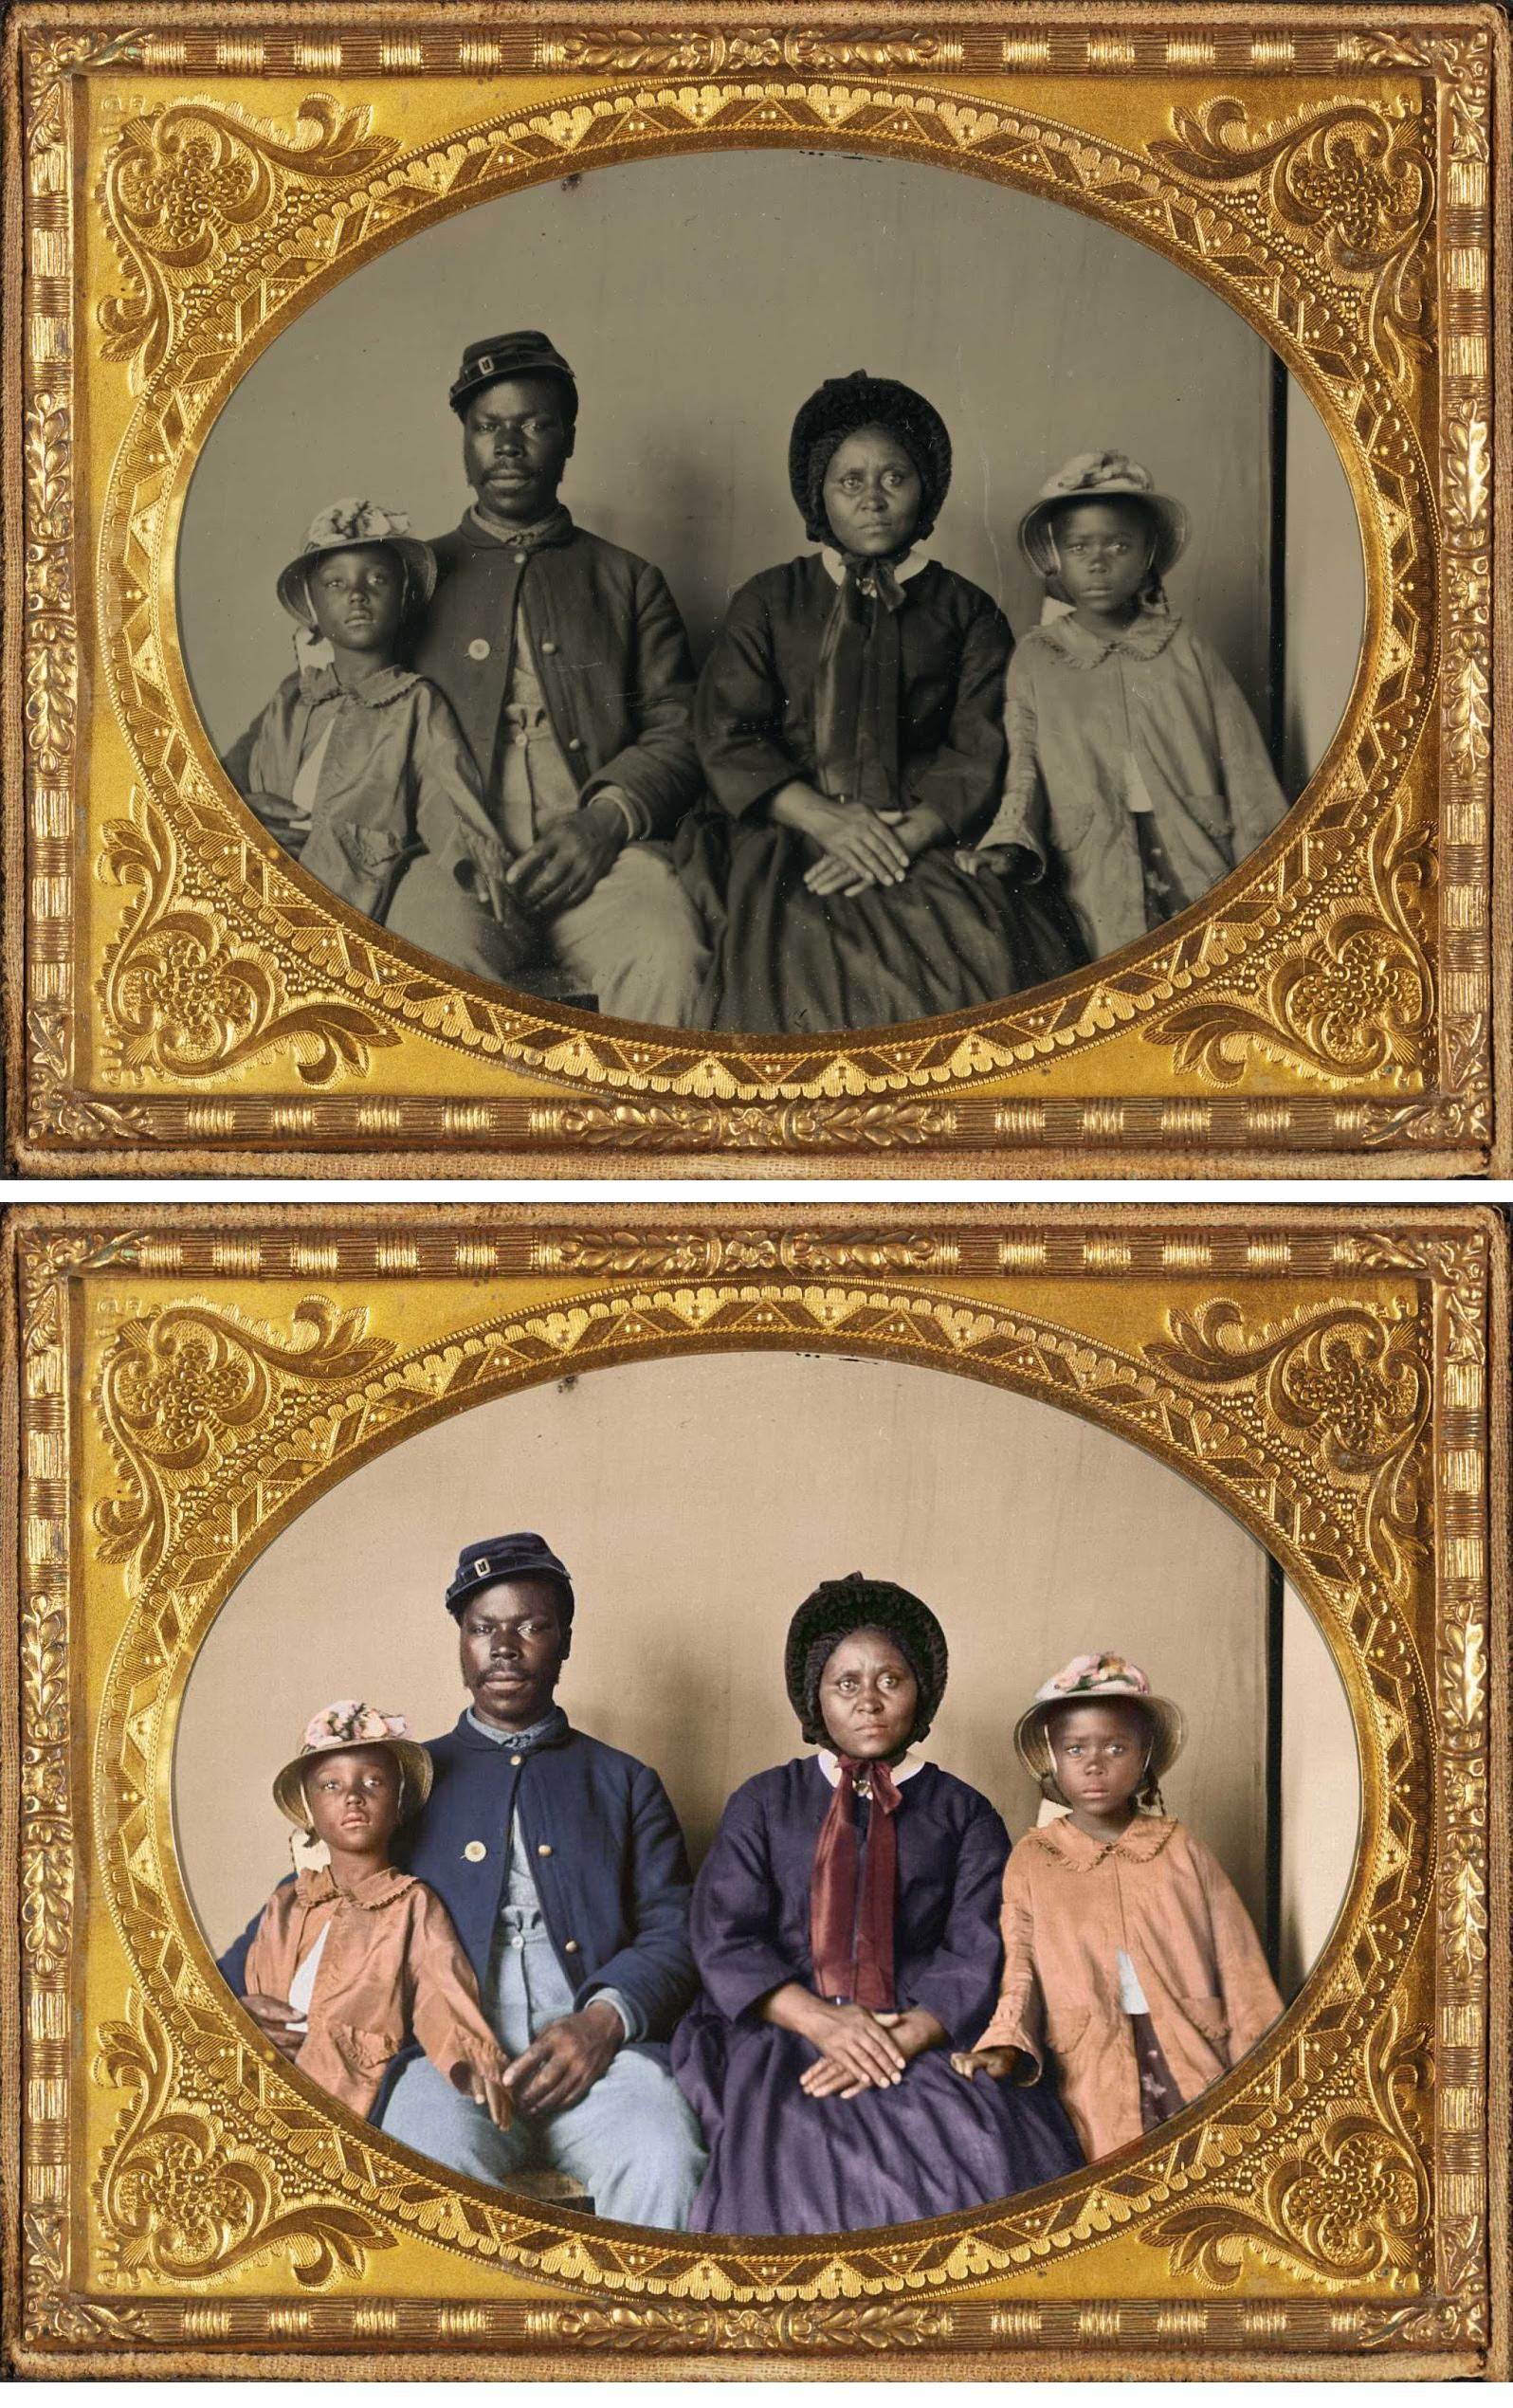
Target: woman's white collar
{"points": [[903, 1771], [909, 567]]}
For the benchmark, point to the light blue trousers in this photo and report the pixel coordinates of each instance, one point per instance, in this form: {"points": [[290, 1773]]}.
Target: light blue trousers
{"points": [[633, 2143]]}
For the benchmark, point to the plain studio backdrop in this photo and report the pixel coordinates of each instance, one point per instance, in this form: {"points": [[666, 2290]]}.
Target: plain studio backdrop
{"points": [[699, 300], [697, 1501]]}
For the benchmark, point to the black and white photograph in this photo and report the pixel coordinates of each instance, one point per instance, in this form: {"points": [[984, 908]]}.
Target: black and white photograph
{"points": [[1005, 1794], [771, 593]]}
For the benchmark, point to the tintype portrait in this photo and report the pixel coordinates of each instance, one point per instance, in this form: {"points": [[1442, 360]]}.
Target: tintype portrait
{"points": [[749, 594], [534, 1854], [715, 793]]}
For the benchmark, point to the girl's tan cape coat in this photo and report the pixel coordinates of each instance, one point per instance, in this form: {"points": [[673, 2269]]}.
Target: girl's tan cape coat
{"points": [[392, 1966], [1069, 1904]]}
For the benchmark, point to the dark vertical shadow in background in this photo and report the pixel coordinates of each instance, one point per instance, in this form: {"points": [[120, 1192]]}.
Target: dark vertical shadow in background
{"points": [[1272, 1935], [1277, 630]]}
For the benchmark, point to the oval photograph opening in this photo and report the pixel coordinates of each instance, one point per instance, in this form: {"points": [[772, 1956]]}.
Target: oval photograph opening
{"points": [[646, 658], [643, 1846]]}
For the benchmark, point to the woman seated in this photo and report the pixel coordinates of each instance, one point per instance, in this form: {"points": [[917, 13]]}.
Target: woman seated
{"points": [[844, 1927], [849, 720]]}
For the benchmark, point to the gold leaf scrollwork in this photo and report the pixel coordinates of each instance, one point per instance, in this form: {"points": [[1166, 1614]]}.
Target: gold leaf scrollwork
{"points": [[741, 49], [49, 64], [676, 1127], [47, 458], [1351, 2204], [183, 184], [1468, 471], [1353, 1384], [185, 999], [648, 1253], [174, 2200], [48, 1865], [58, 1109], [51, 691], [1359, 1001], [180, 1386], [51, 2315], [875, 2326], [1462, 63], [1356, 177]]}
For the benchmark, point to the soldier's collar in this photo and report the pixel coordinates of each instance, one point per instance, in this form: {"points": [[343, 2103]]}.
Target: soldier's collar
{"points": [[554, 528]]}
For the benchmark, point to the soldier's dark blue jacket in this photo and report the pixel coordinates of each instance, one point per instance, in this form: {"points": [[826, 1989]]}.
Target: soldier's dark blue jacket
{"points": [[608, 1855]]}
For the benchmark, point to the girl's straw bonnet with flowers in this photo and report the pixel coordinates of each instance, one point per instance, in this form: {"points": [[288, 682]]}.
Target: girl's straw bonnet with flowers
{"points": [[337, 529], [350, 1723], [1102, 476], [1084, 1681]]}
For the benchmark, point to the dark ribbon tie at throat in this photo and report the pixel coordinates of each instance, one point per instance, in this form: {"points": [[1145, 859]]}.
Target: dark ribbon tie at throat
{"points": [[851, 1936], [856, 711]]}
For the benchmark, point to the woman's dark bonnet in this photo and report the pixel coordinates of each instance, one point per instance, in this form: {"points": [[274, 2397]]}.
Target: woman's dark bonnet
{"points": [[834, 1612], [841, 406]]}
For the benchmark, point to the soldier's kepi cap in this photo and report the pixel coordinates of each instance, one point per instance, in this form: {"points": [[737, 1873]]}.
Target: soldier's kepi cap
{"points": [[521, 1554], [525, 353]]}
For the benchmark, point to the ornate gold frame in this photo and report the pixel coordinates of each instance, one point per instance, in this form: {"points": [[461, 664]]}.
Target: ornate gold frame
{"points": [[181, 997], [185, 1382]]}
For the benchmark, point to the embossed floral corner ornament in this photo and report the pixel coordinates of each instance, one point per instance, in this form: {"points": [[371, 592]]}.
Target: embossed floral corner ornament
{"points": [[1331, 999]]}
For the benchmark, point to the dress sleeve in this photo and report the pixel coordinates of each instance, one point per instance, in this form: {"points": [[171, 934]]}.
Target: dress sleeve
{"points": [[237, 764], [659, 771], [255, 1966], [739, 710], [444, 2011], [735, 1920], [1256, 801], [962, 1979], [1250, 1996], [963, 777], [1019, 2017], [1021, 816], [233, 1961]]}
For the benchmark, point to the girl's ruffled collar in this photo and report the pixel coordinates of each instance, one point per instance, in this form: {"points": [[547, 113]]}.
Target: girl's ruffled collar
{"points": [[381, 1889], [1146, 1837], [1144, 637], [319, 683]]}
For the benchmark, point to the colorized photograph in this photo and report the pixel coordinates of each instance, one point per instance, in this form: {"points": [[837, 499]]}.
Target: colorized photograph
{"points": [[1005, 1793]]}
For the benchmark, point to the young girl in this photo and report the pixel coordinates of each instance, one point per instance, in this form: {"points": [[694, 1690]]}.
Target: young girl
{"points": [[849, 720], [364, 1957], [1133, 762], [1127, 1954], [357, 765]]}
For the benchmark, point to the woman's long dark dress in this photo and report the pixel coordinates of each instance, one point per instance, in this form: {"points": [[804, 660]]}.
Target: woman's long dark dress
{"points": [[780, 2162], [941, 940]]}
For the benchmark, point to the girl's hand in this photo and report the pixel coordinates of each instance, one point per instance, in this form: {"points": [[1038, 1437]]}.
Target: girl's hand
{"points": [[997, 2064], [1005, 860], [857, 843], [912, 2032], [489, 2090], [273, 2017], [281, 819]]}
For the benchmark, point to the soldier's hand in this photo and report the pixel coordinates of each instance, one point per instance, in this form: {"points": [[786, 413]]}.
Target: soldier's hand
{"points": [[566, 861], [563, 2063]]}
